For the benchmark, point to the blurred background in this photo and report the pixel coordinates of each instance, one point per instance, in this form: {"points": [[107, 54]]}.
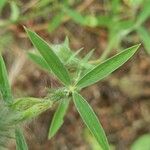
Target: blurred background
{"points": [[122, 101]]}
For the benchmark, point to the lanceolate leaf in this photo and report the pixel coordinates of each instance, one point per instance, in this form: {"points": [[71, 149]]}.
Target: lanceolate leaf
{"points": [[20, 140], [90, 119], [58, 118], [104, 69], [4, 84], [50, 57], [39, 60], [74, 15]]}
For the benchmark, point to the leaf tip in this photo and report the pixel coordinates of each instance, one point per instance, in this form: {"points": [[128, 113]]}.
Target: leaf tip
{"points": [[49, 137], [28, 31], [138, 45], [50, 134], [25, 28], [134, 48]]}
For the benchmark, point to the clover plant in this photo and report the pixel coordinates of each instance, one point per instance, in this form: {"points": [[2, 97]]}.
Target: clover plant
{"points": [[58, 61]]}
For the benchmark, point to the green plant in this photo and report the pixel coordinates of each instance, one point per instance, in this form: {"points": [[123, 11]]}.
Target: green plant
{"points": [[120, 19], [7, 97], [93, 144], [74, 81], [14, 112]]}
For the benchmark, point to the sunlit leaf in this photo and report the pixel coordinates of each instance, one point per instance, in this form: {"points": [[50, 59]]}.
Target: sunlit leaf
{"points": [[50, 57], [107, 67], [90, 119]]}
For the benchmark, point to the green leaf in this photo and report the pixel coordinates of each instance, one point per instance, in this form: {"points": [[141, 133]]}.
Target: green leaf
{"points": [[20, 140], [86, 58], [50, 57], [104, 21], [2, 4], [55, 22], [4, 83], [142, 143], [73, 56], [107, 67], [145, 37], [115, 6], [145, 13], [39, 60], [57, 120], [14, 11], [90, 119], [63, 51], [91, 140], [74, 15]]}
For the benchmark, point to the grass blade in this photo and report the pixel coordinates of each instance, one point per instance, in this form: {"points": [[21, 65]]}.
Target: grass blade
{"points": [[107, 67], [91, 120], [50, 57], [20, 140], [56, 22], [74, 15], [24, 103], [4, 83], [57, 120], [144, 14], [2, 4], [15, 12], [145, 37]]}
